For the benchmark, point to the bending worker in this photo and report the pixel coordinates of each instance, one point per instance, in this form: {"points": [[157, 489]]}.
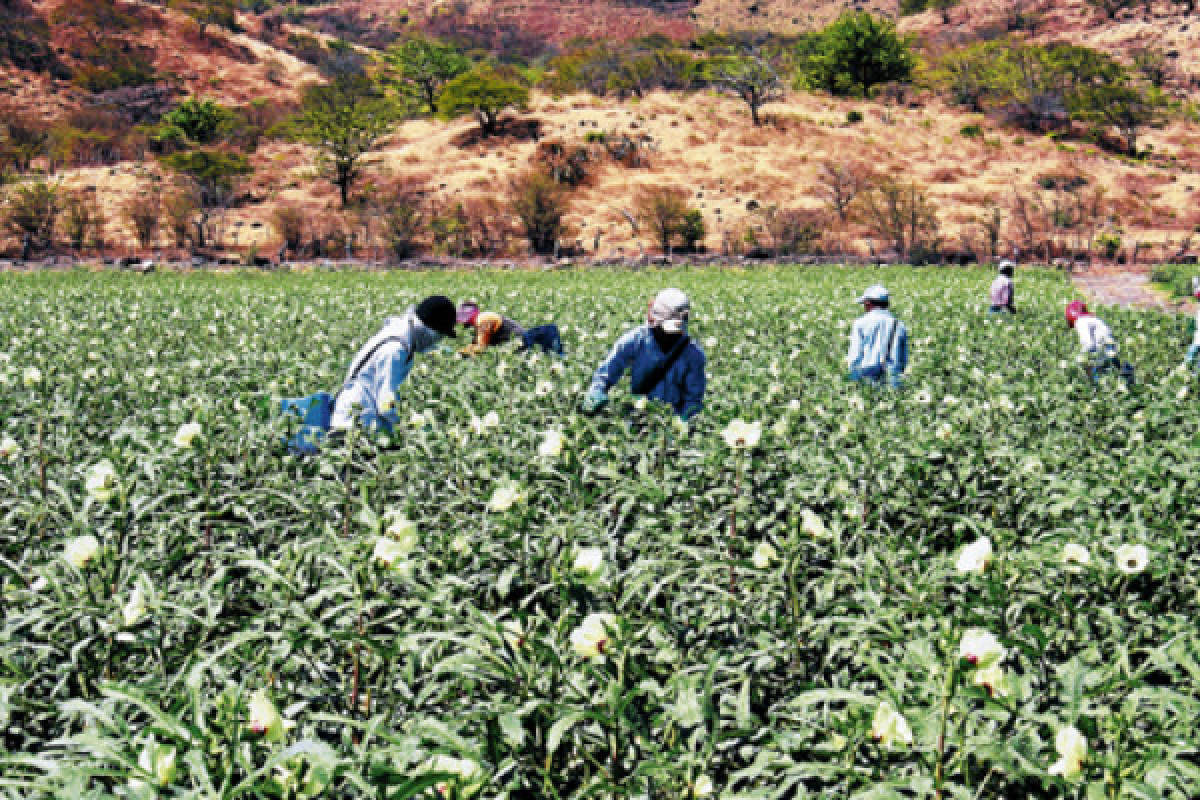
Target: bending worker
{"points": [[1002, 290], [1096, 342], [383, 363], [665, 364], [878, 341], [1194, 349], [495, 329]]}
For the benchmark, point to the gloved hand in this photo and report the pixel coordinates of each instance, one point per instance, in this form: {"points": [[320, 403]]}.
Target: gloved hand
{"points": [[594, 400]]}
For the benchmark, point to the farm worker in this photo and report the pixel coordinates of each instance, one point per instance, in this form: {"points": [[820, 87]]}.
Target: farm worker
{"points": [[664, 363], [878, 341], [383, 363], [1194, 350], [1096, 342], [1002, 290], [495, 329]]}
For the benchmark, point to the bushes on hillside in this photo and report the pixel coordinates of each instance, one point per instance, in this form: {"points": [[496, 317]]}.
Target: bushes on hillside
{"points": [[853, 55], [540, 203], [1046, 87]]}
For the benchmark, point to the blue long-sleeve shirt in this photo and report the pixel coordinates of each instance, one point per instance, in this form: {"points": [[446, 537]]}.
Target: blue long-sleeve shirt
{"points": [[868, 341], [682, 387]]}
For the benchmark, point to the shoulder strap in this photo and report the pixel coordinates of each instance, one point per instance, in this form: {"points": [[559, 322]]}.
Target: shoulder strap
{"points": [[371, 354], [655, 376]]}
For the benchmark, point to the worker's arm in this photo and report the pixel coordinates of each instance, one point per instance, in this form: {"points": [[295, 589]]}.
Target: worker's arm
{"points": [[694, 384], [486, 327], [899, 352], [855, 354], [620, 358]]}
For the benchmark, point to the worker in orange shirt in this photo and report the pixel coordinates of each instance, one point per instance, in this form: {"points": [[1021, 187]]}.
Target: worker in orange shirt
{"points": [[493, 329]]}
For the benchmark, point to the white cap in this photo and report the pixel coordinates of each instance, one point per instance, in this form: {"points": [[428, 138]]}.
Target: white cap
{"points": [[669, 310], [876, 294], [1006, 264]]}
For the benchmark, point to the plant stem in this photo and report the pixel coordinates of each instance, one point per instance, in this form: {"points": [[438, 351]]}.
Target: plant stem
{"points": [[939, 773]]}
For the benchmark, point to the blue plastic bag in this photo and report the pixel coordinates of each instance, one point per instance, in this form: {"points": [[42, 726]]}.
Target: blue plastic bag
{"points": [[316, 414]]}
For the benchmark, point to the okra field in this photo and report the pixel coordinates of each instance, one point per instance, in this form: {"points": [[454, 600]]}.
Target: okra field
{"points": [[984, 585]]}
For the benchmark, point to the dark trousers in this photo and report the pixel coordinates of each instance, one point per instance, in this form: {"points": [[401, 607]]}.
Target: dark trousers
{"points": [[545, 337]]}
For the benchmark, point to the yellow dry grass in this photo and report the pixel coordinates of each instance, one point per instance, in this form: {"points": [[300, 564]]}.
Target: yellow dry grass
{"points": [[706, 144]]}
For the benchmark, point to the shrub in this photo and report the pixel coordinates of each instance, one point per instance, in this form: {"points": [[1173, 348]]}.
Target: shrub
{"points": [[32, 213], [692, 229], [903, 215], [404, 218], [854, 54], [288, 222], [82, 219], [972, 131], [663, 211], [854, 116], [540, 203], [143, 213]]}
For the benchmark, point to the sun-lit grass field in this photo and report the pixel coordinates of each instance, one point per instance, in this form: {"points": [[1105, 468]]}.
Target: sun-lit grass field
{"points": [[938, 592]]}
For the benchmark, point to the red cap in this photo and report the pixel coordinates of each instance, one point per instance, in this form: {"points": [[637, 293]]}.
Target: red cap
{"points": [[467, 312], [1075, 310]]}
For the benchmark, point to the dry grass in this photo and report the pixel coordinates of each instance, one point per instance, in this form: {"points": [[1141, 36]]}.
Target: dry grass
{"points": [[728, 167]]}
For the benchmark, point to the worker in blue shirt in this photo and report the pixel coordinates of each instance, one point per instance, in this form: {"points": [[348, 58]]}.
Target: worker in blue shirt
{"points": [[878, 341], [664, 363]]}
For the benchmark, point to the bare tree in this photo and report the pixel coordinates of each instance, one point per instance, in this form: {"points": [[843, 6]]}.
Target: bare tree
{"points": [[82, 219], [662, 210], [143, 212], [902, 214], [839, 185], [752, 78]]}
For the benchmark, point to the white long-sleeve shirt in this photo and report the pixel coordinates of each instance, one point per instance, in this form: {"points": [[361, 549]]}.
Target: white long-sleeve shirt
{"points": [[380, 366], [869, 339], [1094, 335], [1196, 335]]}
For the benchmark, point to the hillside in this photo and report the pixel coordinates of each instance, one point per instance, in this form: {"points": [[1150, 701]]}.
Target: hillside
{"points": [[700, 142]]}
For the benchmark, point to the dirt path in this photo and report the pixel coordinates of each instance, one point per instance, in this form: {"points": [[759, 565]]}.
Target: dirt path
{"points": [[1128, 290]]}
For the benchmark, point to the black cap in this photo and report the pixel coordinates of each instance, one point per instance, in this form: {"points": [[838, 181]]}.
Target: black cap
{"points": [[438, 313]]}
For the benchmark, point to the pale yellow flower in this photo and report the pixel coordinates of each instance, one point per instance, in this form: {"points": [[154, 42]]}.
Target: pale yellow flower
{"points": [[187, 434], [593, 636], [81, 550], [975, 557], [980, 648], [889, 726], [742, 435], [1072, 750]]}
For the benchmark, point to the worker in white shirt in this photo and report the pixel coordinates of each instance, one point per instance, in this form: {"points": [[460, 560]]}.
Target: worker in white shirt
{"points": [[1194, 350], [878, 341], [1096, 343]]}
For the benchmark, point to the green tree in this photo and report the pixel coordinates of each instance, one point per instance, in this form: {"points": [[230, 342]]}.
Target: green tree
{"points": [[1124, 106], [344, 120], [1041, 86], [425, 66], [213, 175], [854, 54], [484, 93], [194, 122]]}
